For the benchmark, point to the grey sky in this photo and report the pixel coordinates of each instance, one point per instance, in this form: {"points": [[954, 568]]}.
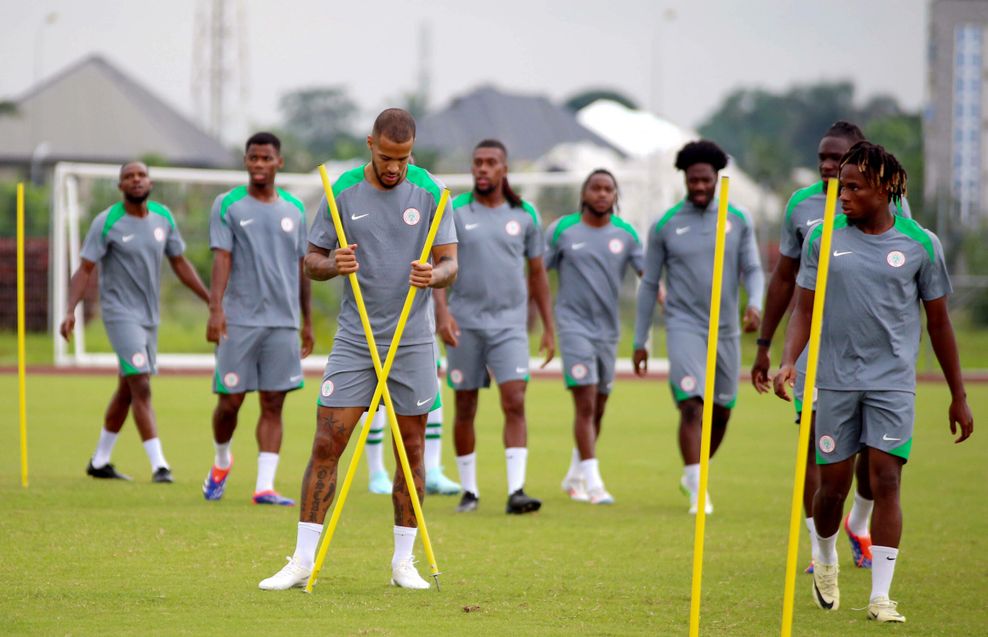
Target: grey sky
{"points": [[683, 65]]}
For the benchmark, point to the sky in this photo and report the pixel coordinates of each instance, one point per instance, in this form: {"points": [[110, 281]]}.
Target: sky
{"points": [[678, 58]]}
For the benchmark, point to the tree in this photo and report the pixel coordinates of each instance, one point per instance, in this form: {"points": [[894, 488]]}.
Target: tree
{"points": [[322, 119], [589, 96]]}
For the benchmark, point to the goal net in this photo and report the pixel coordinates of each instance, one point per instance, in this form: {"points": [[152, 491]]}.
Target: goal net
{"points": [[81, 191]]}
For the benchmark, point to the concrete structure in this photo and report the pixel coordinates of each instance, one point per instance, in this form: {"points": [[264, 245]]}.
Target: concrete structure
{"points": [[955, 135]]}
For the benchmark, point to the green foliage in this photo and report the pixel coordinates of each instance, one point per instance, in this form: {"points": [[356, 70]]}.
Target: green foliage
{"points": [[584, 98], [37, 213], [84, 557], [902, 135], [322, 119], [769, 134]]}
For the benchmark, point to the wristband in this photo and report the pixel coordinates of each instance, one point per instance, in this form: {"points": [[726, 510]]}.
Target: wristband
{"points": [[763, 342]]}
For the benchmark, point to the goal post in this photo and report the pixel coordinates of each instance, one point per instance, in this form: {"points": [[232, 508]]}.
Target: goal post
{"points": [[82, 190]]}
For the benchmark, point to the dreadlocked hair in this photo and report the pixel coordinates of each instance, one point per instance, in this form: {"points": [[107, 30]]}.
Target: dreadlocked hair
{"points": [[586, 182], [512, 197], [879, 167]]}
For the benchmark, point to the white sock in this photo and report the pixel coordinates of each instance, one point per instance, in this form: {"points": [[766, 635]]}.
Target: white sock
{"points": [[814, 541], [574, 466], [517, 458], [590, 470], [434, 440], [153, 449], [104, 448], [860, 515], [826, 549], [375, 443], [404, 542], [883, 559], [467, 466], [267, 465], [307, 542], [692, 474], [223, 459]]}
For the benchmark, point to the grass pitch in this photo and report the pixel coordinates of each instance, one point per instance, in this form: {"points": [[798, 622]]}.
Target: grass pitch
{"points": [[87, 557]]}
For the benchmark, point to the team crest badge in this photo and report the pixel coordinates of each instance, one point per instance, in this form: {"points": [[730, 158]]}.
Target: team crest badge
{"points": [[287, 224], [688, 383], [578, 371], [411, 216], [615, 246], [512, 228], [827, 444], [159, 234], [327, 388], [231, 379], [138, 359], [896, 259], [456, 376]]}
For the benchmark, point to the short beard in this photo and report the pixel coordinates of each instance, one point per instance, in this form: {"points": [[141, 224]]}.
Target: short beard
{"points": [[592, 211], [485, 191], [137, 199], [381, 181]]}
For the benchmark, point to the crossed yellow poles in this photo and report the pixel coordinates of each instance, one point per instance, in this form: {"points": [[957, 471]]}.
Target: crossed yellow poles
{"points": [[381, 391]]}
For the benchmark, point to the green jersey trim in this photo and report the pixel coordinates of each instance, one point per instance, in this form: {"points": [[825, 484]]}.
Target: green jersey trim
{"points": [[161, 209], [737, 213], [624, 225], [231, 198], [916, 232], [840, 221], [348, 180], [802, 195], [421, 178], [533, 212], [565, 222], [463, 199], [902, 450], [292, 199], [126, 369], [114, 215], [668, 215]]}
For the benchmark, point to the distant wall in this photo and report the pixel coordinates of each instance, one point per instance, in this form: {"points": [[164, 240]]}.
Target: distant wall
{"points": [[35, 290]]}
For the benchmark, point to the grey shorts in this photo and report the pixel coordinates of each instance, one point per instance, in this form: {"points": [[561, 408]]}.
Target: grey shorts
{"points": [[502, 353], [135, 345], [350, 381], [258, 358], [849, 421], [688, 363], [587, 361]]}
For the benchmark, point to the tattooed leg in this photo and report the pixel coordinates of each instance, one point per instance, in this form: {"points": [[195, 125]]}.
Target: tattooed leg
{"points": [[334, 425], [413, 435]]}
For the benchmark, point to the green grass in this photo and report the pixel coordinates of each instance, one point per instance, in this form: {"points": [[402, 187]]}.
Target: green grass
{"points": [[87, 557]]}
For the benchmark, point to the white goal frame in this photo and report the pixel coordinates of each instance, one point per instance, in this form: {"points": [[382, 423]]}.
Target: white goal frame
{"points": [[65, 247]]}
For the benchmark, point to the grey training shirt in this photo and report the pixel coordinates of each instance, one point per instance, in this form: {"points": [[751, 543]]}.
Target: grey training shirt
{"points": [[389, 228], [266, 241], [871, 319], [128, 250], [591, 263], [681, 243], [495, 244]]}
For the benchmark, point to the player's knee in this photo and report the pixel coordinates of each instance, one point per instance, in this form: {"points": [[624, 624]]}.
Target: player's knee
{"points": [[513, 404], [140, 387], [324, 447], [228, 405], [272, 402], [691, 410], [885, 482]]}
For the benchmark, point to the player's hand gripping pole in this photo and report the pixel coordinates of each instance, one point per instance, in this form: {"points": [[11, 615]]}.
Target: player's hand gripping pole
{"points": [[708, 407], [806, 417], [381, 391]]}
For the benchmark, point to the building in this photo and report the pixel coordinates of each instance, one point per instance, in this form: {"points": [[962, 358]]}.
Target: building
{"points": [[955, 135]]}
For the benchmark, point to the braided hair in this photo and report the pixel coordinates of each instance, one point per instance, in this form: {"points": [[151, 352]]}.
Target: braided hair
{"points": [[512, 197], [879, 167]]}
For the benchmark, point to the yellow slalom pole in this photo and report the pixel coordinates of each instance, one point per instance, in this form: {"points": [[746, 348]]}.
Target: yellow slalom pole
{"points": [[708, 406], [381, 391], [21, 371], [805, 418]]}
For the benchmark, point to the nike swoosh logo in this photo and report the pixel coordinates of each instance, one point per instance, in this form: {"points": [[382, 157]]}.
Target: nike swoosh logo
{"points": [[521, 370], [471, 226], [813, 222], [295, 378], [840, 254], [886, 438], [823, 603], [355, 217], [422, 402], [682, 230], [577, 246], [724, 396], [127, 237], [246, 222]]}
